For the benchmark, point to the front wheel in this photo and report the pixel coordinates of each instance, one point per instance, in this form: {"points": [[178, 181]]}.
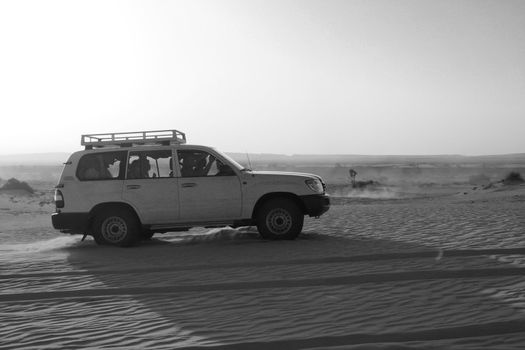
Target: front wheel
{"points": [[280, 218], [116, 227]]}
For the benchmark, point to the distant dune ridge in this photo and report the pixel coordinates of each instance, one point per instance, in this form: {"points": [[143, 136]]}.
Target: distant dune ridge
{"points": [[518, 158]]}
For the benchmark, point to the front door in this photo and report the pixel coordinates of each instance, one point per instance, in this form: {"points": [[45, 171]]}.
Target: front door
{"points": [[151, 187], [209, 190]]}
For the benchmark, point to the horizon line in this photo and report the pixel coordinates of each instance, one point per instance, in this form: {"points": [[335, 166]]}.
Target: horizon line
{"points": [[310, 154]]}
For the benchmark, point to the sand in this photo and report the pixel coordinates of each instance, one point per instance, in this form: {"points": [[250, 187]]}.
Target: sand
{"points": [[432, 272]]}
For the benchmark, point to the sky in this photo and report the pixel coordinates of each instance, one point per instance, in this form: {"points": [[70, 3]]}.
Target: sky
{"points": [[267, 76]]}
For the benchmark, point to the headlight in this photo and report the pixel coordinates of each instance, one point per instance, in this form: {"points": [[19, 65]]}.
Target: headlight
{"points": [[315, 185]]}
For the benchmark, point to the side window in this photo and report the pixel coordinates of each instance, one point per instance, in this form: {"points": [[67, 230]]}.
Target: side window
{"points": [[149, 164], [193, 163], [101, 166]]}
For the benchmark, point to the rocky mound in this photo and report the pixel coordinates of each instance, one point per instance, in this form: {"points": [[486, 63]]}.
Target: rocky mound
{"points": [[16, 185]]}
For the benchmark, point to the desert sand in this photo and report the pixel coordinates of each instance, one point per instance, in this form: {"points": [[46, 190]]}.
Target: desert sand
{"points": [[434, 271]]}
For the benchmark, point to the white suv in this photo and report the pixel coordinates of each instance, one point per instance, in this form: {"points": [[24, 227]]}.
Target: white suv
{"points": [[127, 186]]}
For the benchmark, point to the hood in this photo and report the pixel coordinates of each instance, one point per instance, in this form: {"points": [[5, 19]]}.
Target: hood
{"points": [[283, 173]]}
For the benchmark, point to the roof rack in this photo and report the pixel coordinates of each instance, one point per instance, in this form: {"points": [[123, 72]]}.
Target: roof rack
{"points": [[128, 139]]}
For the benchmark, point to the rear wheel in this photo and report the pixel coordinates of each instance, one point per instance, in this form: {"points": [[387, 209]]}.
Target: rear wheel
{"points": [[280, 218], [116, 227]]}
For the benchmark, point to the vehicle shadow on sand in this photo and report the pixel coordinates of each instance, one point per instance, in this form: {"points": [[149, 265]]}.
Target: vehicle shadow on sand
{"points": [[226, 286]]}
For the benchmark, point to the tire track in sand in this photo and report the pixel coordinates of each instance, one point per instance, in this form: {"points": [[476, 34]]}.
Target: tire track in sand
{"points": [[436, 254], [283, 283]]}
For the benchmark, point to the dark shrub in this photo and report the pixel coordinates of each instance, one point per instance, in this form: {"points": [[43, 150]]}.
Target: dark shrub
{"points": [[14, 184], [364, 184], [513, 178]]}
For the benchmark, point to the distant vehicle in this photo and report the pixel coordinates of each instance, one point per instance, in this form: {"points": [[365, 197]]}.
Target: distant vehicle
{"points": [[128, 186]]}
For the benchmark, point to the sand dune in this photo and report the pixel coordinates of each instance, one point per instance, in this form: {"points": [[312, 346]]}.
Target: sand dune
{"points": [[432, 273]]}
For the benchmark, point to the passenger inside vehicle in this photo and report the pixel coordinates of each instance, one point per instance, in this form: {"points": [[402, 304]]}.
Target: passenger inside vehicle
{"points": [[134, 169], [138, 169], [188, 165]]}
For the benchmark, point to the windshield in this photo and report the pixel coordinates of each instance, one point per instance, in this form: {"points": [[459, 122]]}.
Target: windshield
{"points": [[230, 159]]}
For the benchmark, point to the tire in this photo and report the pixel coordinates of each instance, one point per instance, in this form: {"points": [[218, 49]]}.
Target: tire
{"points": [[118, 227], [279, 218]]}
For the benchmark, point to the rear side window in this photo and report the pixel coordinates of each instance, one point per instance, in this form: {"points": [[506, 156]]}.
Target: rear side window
{"points": [[102, 166]]}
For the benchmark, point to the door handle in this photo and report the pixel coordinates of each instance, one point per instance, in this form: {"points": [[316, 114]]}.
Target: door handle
{"points": [[189, 184], [133, 187]]}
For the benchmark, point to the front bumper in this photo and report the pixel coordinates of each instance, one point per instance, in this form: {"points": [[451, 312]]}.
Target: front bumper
{"points": [[315, 204], [70, 222]]}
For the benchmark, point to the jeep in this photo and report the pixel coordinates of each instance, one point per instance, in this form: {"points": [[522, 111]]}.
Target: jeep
{"points": [[124, 187]]}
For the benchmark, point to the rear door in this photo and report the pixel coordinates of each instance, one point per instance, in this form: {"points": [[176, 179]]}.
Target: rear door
{"points": [[209, 190], [151, 187]]}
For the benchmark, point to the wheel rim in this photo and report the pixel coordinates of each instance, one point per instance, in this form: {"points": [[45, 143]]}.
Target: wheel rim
{"points": [[114, 229], [279, 221]]}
